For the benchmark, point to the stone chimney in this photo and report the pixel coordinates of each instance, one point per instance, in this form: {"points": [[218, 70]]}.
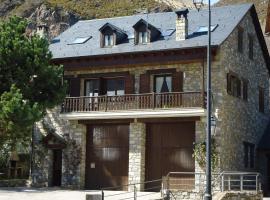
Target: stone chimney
{"points": [[181, 24], [42, 30]]}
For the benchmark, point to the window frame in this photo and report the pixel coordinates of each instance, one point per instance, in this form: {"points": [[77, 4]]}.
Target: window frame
{"points": [[114, 78], [250, 46], [164, 76], [233, 77], [92, 79], [240, 38], [249, 155], [245, 84], [261, 99], [143, 35], [110, 40]]}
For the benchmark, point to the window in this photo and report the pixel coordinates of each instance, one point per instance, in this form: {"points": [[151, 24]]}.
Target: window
{"points": [[261, 99], [143, 37], [249, 154], [163, 83], [80, 40], [240, 39], [233, 85], [250, 47], [92, 87], [108, 40], [204, 29], [245, 90], [115, 86]]}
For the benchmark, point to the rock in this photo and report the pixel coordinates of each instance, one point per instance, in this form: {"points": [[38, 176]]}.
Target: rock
{"points": [[56, 19], [7, 5]]}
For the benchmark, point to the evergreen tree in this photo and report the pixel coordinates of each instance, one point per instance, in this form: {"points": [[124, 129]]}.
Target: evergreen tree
{"points": [[29, 83]]}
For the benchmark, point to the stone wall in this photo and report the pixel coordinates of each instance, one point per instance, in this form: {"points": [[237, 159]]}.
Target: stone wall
{"points": [[193, 74], [241, 196], [239, 120], [137, 154], [186, 195], [229, 133], [190, 195], [73, 156]]}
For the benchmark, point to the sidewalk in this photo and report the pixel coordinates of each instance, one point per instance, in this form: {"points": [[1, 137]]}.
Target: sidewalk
{"points": [[60, 194]]}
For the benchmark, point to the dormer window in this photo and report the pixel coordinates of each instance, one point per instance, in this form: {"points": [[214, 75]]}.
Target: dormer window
{"points": [[108, 40], [144, 32], [143, 37], [111, 35]]}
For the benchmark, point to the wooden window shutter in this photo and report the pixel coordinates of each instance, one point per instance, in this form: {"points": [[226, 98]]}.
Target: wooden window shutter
{"points": [[238, 87], [245, 89], [261, 99], [144, 83], [250, 52], [229, 89], [245, 155], [177, 81], [129, 84], [75, 84]]}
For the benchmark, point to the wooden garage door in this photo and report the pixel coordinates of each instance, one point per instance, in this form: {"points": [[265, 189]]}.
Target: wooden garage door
{"points": [[169, 149], [107, 153]]}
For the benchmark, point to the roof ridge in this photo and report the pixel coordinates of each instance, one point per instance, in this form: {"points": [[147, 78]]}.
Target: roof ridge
{"points": [[157, 13]]}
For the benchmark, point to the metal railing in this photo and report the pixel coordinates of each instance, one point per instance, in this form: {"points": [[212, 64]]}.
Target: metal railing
{"points": [[135, 191], [240, 181], [194, 182], [133, 102]]}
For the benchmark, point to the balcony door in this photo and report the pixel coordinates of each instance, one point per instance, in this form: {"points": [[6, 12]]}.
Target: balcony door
{"points": [[162, 86], [92, 87], [163, 83], [115, 86]]}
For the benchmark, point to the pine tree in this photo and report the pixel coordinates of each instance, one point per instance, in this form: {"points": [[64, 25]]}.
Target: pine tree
{"points": [[29, 83]]}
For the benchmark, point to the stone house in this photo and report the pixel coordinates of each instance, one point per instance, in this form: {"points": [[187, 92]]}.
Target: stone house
{"points": [[135, 103]]}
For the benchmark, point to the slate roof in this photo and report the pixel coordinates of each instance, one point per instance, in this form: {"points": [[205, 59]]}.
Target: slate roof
{"points": [[227, 18]]}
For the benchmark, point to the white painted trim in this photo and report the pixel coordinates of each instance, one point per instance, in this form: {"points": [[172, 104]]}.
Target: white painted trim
{"points": [[136, 114]]}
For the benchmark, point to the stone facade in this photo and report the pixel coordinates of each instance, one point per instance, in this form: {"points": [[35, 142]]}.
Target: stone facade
{"points": [[137, 154], [73, 156], [240, 196], [232, 133], [229, 133]]}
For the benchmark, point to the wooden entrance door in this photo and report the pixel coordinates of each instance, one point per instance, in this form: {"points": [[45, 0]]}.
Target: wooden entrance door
{"points": [[57, 167], [169, 148], [107, 155]]}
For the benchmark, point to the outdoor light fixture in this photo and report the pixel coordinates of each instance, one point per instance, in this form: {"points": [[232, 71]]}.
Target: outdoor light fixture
{"points": [[208, 191], [213, 125], [198, 4]]}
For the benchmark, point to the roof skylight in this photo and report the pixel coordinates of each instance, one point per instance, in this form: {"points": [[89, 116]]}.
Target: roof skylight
{"points": [[80, 40], [203, 29], [167, 32]]}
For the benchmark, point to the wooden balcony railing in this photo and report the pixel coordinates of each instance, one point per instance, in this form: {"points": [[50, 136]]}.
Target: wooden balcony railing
{"points": [[133, 102]]}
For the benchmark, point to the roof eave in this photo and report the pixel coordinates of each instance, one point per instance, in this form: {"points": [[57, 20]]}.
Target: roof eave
{"points": [[214, 47], [260, 36]]}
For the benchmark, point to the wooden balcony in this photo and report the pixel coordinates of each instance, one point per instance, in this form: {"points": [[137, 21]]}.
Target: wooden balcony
{"points": [[134, 102]]}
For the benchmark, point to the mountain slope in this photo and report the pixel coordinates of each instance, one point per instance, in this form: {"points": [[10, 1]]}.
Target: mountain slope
{"points": [[58, 15], [261, 6], [89, 9]]}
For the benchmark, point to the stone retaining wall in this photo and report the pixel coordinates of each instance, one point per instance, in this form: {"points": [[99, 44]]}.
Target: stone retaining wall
{"points": [[241, 196]]}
